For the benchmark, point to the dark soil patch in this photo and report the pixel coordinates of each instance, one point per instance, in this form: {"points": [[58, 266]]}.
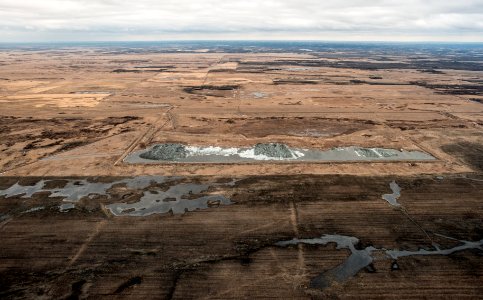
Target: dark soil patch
{"points": [[207, 88], [131, 282], [470, 153], [452, 89]]}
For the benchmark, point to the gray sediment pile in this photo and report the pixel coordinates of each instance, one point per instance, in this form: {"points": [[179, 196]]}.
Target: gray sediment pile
{"points": [[277, 150], [168, 152]]}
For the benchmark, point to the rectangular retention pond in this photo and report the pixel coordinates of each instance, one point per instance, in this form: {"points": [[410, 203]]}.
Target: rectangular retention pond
{"points": [[268, 152]]}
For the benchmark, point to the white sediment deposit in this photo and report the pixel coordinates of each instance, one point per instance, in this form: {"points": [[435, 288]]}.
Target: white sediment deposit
{"points": [[267, 152]]}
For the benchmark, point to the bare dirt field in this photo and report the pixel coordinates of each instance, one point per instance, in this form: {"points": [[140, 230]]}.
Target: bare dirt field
{"points": [[77, 220]]}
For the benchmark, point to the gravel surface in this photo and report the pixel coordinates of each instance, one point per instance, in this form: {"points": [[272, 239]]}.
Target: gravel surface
{"points": [[166, 152], [273, 150]]}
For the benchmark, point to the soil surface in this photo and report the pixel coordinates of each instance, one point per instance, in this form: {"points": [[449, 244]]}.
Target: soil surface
{"points": [[230, 251]]}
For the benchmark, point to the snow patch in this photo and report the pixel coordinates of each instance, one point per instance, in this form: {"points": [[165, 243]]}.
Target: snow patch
{"points": [[241, 152]]}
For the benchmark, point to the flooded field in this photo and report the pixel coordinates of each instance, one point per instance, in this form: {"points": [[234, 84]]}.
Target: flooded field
{"points": [[396, 193], [239, 227], [173, 200], [363, 258], [74, 190], [177, 199]]}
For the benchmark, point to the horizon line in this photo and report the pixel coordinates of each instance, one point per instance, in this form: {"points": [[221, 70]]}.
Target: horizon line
{"points": [[249, 40]]}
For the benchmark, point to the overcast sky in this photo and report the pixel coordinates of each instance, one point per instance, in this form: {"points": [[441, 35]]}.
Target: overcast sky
{"points": [[109, 20]]}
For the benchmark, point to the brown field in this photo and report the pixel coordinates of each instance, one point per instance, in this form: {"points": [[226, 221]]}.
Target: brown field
{"points": [[74, 114]]}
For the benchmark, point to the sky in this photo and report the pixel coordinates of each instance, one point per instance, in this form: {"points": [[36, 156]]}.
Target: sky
{"points": [[157, 20]]}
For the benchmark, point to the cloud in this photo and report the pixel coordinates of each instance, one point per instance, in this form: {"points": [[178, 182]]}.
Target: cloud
{"points": [[153, 19]]}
